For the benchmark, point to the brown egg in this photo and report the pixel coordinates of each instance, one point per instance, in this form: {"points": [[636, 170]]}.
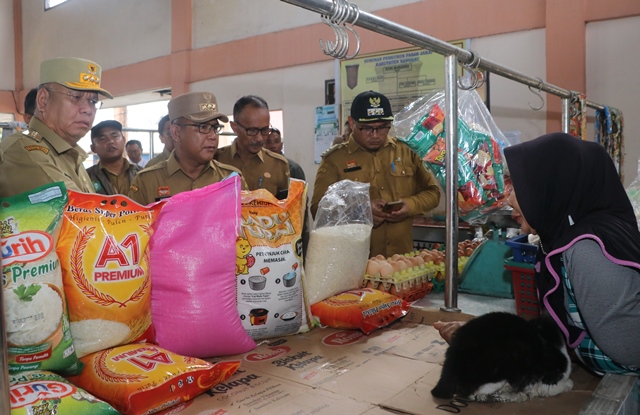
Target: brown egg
{"points": [[386, 270], [373, 267], [381, 257], [468, 251]]}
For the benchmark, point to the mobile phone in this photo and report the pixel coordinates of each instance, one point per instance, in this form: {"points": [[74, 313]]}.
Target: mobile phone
{"points": [[392, 206]]}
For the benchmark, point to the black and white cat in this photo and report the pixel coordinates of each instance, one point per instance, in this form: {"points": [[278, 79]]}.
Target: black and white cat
{"points": [[503, 357]]}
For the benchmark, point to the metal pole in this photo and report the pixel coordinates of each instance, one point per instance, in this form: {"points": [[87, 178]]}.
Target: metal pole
{"points": [[566, 120], [451, 169], [405, 34]]}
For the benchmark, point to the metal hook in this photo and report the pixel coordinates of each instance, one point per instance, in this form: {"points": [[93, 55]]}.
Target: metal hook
{"points": [[341, 12], [537, 93], [573, 110], [476, 75]]}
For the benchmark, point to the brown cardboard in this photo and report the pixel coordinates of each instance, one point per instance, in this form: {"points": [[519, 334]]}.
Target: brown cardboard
{"points": [[330, 371]]}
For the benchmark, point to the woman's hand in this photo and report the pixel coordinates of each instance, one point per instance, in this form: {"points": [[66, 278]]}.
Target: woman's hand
{"points": [[447, 329]]}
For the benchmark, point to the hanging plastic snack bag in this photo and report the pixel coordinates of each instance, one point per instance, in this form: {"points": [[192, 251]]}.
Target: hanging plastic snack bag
{"points": [[193, 259], [42, 392], [104, 253], [35, 306], [481, 178], [365, 309], [141, 379], [269, 263], [339, 242]]}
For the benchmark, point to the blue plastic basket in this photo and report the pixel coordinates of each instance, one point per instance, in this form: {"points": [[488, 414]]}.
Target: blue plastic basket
{"points": [[523, 251]]}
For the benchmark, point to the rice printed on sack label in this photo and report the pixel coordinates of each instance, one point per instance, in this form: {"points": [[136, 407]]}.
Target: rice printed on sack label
{"points": [[35, 306]]}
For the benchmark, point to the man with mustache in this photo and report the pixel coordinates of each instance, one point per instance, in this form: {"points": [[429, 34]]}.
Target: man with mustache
{"points": [[113, 174], [262, 168], [195, 128], [66, 105]]}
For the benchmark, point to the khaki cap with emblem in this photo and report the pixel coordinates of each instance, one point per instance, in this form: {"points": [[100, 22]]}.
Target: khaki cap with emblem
{"points": [[74, 73], [195, 106]]}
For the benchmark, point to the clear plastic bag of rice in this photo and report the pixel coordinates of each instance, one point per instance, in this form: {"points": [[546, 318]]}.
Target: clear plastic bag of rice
{"points": [[35, 306], [339, 243]]}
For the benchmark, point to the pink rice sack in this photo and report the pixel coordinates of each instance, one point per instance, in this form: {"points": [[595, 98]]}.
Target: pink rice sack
{"points": [[193, 281]]}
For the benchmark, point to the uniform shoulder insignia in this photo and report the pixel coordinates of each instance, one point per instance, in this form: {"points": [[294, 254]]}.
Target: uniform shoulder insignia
{"points": [[134, 188], [276, 155], [44, 149], [332, 149]]}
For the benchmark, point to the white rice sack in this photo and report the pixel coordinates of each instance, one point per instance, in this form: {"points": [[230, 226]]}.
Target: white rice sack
{"points": [[336, 260]]}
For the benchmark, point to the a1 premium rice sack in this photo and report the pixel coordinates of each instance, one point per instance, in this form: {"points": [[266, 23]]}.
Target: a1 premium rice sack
{"points": [[145, 379], [35, 307], [103, 249], [41, 392]]}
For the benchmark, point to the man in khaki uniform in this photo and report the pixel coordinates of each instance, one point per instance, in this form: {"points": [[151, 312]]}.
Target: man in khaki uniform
{"points": [[194, 128], [66, 105], [394, 172], [261, 168], [164, 130], [113, 174]]}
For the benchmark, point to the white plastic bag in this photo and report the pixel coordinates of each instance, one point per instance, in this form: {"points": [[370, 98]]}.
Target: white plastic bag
{"points": [[339, 243]]}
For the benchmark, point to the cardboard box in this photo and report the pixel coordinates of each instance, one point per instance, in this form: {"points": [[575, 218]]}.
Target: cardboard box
{"points": [[330, 371]]}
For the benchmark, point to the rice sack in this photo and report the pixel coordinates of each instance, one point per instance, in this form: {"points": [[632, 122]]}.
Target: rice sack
{"points": [[35, 306], [145, 379], [269, 263], [41, 392], [365, 309], [103, 250], [193, 252]]}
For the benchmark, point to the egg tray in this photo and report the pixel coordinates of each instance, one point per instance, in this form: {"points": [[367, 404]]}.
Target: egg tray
{"points": [[410, 284], [438, 286]]}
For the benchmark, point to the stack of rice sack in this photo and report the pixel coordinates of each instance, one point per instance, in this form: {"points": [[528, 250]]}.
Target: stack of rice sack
{"points": [[336, 262], [87, 254]]}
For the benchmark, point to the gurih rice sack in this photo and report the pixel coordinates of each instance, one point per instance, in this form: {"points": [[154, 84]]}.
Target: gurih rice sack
{"points": [[103, 249], [40, 392], [145, 378], [35, 307]]}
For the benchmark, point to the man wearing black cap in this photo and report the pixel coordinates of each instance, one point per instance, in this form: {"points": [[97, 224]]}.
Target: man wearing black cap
{"points": [[195, 127], [113, 174], [400, 185]]}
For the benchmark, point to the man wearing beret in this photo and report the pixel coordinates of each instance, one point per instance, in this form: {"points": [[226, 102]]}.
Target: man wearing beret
{"points": [[194, 129], [261, 168], [113, 174], [400, 185], [48, 151]]}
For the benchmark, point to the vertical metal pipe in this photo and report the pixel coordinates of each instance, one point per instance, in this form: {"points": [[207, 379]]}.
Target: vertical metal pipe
{"points": [[566, 119], [5, 406], [451, 169]]}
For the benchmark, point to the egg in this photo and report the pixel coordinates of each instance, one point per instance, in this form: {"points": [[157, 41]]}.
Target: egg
{"points": [[386, 270], [373, 267], [380, 257], [468, 251]]}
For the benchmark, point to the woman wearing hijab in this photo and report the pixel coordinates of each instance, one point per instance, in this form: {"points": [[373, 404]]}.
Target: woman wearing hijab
{"points": [[567, 191]]}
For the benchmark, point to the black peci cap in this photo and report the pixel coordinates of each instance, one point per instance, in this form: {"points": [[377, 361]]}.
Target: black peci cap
{"points": [[371, 106]]}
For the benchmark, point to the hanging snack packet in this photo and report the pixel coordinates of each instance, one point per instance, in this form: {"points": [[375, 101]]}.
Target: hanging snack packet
{"points": [[41, 392], [35, 307], [105, 268], [141, 379], [269, 263]]}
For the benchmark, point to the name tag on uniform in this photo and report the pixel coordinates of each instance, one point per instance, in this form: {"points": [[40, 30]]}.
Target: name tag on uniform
{"points": [[352, 166]]}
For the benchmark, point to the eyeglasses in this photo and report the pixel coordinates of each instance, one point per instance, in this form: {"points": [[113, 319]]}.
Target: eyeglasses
{"points": [[79, 99], [383, 129], [205, 128], [254, 131]]}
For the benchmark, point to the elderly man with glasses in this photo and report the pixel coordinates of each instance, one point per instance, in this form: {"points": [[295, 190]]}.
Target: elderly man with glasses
{"points": [[195, 128], [401, 187], [261, 168], [48, 151]]}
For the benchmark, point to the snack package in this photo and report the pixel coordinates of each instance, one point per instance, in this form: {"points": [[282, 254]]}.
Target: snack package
{"points": [[269, 263], [482, 185], [339, 242], [104, 253], [42, 392], [35, 305], [193, 260], [145, 379], [365, 309]]}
